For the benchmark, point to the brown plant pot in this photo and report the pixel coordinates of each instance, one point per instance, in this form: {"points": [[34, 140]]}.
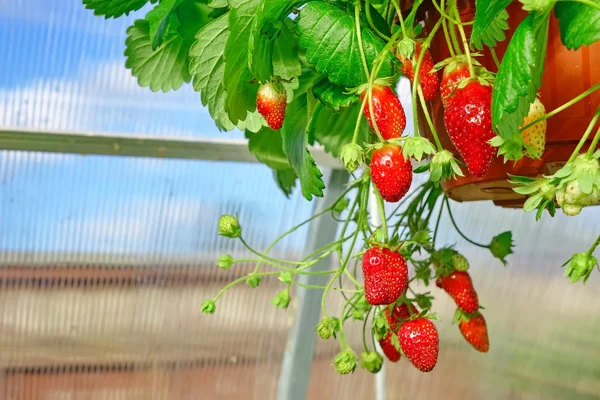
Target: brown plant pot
{"points": [[567, 73]]}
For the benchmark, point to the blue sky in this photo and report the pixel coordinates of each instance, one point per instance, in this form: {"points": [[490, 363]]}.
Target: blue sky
{"points": [[63, 69]]}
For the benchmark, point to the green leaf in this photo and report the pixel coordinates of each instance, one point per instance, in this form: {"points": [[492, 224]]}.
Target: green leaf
{"points": [[329, 36], [519, 77], [218, 4], [161, 20], [333, 96], [295, 142], [207, 66], [241, 94], [114, 8], [193, 15], [486, 13], [267, 26], [494, 32], [285, 56], [286, 180], [164, 69], [267, 146], [335, 129], [578, 23]]}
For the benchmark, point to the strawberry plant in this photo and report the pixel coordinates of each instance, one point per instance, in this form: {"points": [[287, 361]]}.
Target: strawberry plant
{"points": [[291, 74]]}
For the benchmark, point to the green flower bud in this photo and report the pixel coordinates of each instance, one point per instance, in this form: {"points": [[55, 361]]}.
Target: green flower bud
{"points": [[352, 156], [225, 261], [253, 280], [345, 362], [208, 307], [580, 266], [371, 361], [281, 299], [229, 226], [326, 328]]}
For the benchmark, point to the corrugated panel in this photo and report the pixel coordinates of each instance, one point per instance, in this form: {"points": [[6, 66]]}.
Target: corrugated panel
{"points": [[105, 263], [63, 69]]}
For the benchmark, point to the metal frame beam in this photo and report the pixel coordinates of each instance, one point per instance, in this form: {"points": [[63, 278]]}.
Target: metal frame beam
{"points": [[140, 146], [299, 352]]}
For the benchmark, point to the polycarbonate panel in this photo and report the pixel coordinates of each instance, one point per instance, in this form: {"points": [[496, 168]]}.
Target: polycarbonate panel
{"points": [[105, 263], [63, 69]]}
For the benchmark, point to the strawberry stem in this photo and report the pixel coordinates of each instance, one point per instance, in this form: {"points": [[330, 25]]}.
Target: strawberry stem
{"points": [[495, 57], [381, 208], [437, 223], [593, 248], [594, 143], [447, 35], [240, 280], [585, 136], [445, 15], [465, 44], [359, 37], [561, 108], [428, 118], [371, 24], [399, 12], [364, 330], [415, 85], [458, 230]]}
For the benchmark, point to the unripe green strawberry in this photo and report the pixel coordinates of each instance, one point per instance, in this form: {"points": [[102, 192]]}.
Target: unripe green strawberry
{"points": [[271, 101], [581, 186], [468, 120], [535, 136], [428, 79], [474, 330], [229, 226], [391, 172], [419, 341], [387, 112], [459, 262]]}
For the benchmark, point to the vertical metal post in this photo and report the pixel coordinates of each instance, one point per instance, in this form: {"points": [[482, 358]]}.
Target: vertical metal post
{"points": [[380, 376], [298, 357]]}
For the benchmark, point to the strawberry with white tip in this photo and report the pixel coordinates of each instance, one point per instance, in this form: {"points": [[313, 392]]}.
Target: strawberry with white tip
{"points": [[271, 101]]}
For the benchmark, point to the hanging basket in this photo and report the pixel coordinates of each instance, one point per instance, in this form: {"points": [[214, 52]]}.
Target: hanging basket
{"points": [[567, 73]]}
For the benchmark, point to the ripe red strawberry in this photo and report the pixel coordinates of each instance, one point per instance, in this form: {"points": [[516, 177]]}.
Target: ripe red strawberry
{"points": [[459, 286], [428, 79], [387, 112], [453, 74], [399, 315], [468, 121], [388, 348], [386, 275], [535, 136], [474, 330], [391, 172], [420, 343], [271, 103]]}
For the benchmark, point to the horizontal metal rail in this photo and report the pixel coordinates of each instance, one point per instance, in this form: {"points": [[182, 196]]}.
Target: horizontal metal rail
{"points": [[139, 146]]}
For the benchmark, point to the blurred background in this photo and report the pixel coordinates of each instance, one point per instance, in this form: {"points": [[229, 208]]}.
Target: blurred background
{"points": [[105, 261]]}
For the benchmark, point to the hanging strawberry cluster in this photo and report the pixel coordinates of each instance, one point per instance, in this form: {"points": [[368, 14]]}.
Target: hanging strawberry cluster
{"points": [[292, 74]]}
